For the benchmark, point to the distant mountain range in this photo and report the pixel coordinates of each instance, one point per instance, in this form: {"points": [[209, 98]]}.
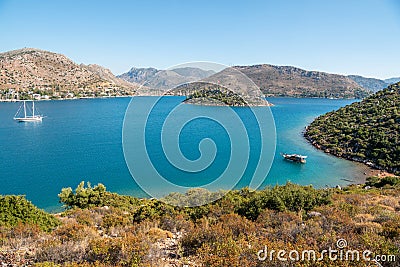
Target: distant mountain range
{"points": [[272, 80], [29, 69], [32, 69], [295, 82], [164, 79], [373, 84], [392, 80], [139, 75]]}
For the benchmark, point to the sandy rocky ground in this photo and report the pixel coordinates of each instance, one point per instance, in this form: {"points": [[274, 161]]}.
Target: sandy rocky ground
{"points": [[167, 250], [21, 252]]}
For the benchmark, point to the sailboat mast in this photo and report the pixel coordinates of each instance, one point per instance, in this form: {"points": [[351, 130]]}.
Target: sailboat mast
{"points": [[25, 108], [33, 108]]}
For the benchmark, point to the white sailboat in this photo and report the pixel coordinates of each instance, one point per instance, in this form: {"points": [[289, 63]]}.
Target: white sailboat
{"points": [[27, 118]]}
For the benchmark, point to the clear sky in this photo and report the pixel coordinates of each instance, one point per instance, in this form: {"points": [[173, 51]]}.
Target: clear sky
{"points": [[346, 37]]}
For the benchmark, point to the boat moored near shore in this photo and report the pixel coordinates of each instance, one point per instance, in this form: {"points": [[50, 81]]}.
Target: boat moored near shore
{"points": [[28, 118], [294, 157]]}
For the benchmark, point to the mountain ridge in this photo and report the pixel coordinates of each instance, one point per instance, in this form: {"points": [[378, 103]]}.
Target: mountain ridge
{"points": [[292, 81], [273, 80], [373, 84], [392, 80], [165, 78], [30, 69]]}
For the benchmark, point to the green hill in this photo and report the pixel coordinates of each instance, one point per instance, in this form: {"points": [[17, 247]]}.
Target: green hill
{"points": [[202, 93], [366, 131], [15, 210]]}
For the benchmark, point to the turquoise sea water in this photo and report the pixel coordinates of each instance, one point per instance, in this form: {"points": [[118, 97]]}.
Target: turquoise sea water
{"points": [[82, 140]]}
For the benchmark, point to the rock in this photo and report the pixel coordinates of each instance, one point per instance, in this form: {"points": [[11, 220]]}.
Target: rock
{"points": [[314, 214]]}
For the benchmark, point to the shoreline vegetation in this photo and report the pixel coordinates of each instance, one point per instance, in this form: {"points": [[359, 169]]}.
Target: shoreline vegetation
{"points": [[214, 94], [365, 132], [70, 98], [218, 97], [138, 95], [100, 228]]}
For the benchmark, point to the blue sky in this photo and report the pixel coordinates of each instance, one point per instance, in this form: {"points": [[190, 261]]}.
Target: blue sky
{"points": [[346, 37]]}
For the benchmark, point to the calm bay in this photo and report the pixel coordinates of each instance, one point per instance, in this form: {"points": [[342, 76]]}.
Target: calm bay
{"points": [[82, 140]]}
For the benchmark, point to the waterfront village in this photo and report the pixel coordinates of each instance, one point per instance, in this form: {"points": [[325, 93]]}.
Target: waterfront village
{"points": [[13, 95]]}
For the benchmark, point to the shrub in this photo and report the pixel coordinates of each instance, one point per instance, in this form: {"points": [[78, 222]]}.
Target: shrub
{"points": [[89, 197], [381, 182], [130, 250], [289, 197], [55, 251], [114, 219], [16, 209]]}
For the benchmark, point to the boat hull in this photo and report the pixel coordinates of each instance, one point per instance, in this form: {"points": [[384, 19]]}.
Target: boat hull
{"points": [[29, 119], [296, 160]]}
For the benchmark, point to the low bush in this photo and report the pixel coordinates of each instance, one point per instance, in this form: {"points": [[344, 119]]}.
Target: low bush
{"points": [[16, 209], [97, 196], [289, 197], [381, 182]]}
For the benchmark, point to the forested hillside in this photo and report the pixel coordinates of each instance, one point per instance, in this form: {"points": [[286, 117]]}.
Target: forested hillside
{"points": [[367, 131]]}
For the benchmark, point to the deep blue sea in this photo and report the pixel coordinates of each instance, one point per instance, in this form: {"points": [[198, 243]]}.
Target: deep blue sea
{"points": [[82, 140]]}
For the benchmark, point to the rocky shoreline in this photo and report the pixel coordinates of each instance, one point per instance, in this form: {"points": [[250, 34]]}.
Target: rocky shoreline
{"points": [[61, 99], [372, 168], [203, 101]]}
